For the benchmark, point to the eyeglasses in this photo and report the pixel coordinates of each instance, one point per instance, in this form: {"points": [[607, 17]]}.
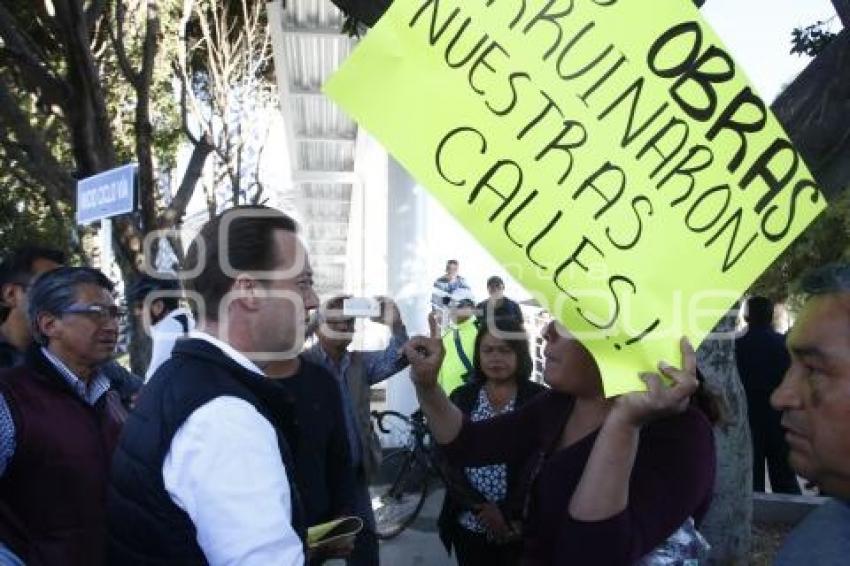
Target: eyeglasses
{"points": [[98, 313]]}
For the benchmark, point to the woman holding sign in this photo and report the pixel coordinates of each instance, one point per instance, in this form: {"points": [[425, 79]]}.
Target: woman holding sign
{"points": [[609, 480]]}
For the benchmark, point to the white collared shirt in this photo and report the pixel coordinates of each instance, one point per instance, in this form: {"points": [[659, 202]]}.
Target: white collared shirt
{"points": [[164, 334], [224, 470]]}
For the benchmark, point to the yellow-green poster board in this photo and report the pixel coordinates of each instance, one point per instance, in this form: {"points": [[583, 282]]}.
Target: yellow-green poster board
{"points": [[610, 154]]}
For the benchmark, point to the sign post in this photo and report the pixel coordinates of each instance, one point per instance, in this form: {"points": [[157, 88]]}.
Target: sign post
{"points": [[102, 196]]}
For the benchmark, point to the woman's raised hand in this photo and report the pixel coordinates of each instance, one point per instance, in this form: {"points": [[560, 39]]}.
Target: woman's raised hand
{"points": [[658, 400], [425, 356]]}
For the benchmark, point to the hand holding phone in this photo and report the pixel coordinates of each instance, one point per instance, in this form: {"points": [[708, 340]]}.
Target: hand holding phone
{"points": [[361, 307]]}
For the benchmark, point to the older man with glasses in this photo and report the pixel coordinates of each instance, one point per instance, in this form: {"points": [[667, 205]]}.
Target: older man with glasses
{"points": [[18, 269], [59, 423]]}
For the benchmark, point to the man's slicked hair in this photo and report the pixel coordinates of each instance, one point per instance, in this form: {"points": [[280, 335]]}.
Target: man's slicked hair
{"points": [[831, 278], [250, 247]]}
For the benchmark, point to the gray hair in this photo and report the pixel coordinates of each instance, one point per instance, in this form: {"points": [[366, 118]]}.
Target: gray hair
{"points": [[56, 290], [831, 278]]}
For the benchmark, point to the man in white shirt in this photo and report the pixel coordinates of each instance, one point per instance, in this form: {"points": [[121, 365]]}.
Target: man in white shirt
{"points": [[203, 470], [156, 304]]}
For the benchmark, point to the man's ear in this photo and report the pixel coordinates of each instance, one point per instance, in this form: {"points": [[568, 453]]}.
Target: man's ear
{"points": [[247, 292], [8, 296], [48, 324]]}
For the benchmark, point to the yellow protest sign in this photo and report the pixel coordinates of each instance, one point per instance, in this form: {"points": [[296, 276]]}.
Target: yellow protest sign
{"points": [[609, 153]]}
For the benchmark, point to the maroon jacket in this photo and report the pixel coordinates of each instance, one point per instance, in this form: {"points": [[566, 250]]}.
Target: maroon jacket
{"points": [[53, 492], [672, 479]]}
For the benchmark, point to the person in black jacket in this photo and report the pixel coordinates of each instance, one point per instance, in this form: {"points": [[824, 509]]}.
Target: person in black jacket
{"points": [[487, 532], [203, 473], [762, 360], [497, 305], [319, 444]]}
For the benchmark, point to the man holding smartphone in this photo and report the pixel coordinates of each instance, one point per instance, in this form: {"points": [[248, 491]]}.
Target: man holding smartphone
{"points": [[356, 372]]}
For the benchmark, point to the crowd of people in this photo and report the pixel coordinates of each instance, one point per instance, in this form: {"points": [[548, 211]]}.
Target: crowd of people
{"points": [[239, 437]]}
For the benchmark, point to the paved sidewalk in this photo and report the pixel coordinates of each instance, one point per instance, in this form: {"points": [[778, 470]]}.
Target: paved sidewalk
{"points": [[419, 544]]}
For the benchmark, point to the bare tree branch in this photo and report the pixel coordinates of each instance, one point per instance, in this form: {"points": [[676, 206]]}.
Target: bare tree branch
{"points": [[194, 169], [93, 13], [143, 127], [184, 103], [118, 39]]}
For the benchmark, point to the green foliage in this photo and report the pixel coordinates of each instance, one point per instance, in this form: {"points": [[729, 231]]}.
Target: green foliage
{"points": [[47, 42], [26, 220], [826, 240]]}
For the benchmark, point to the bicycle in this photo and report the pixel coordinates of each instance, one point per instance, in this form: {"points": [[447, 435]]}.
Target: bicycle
{"points": [[410, 470]]}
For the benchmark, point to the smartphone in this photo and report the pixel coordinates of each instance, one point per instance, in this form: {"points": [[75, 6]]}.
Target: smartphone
{"points": [[364, 307]]}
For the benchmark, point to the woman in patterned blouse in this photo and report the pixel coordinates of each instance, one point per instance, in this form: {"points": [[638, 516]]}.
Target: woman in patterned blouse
{"points": [[483, 528]]}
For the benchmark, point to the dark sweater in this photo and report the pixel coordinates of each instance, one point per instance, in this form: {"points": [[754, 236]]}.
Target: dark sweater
{"points": [[672, 480], [53, 492], [323, 468]]}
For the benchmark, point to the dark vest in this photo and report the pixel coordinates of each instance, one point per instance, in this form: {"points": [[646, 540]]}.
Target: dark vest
{"points": [[53, 493], [145, 526]]}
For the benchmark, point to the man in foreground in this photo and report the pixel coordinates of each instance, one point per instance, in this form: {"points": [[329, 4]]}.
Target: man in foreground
{"points": [[59, 423], [814, 398], [203, 473]]}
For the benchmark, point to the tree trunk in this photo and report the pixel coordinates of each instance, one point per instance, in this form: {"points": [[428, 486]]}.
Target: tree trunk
{"points": [[86, 107], [139, 347], [729, 521], [815, 111], [842, 7]]}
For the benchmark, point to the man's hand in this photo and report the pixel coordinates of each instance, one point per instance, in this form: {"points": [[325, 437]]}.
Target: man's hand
{"points": [[425, 356], [639, 408], [433, 325], [390, 315], [491, 516], [336, 549]]}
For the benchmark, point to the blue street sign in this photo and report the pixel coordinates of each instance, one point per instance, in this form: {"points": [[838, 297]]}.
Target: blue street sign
{"points": [[106, 194]]}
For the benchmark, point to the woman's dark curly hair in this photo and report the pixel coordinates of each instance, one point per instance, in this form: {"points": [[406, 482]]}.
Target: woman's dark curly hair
{"points": [[514, 335]]}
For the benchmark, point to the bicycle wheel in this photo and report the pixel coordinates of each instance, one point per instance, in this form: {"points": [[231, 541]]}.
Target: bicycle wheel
{"points": [[393, 429], [396, 506]]}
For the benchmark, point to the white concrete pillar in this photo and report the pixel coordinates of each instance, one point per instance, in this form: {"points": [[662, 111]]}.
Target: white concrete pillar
{"points": [[406, 247]]}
